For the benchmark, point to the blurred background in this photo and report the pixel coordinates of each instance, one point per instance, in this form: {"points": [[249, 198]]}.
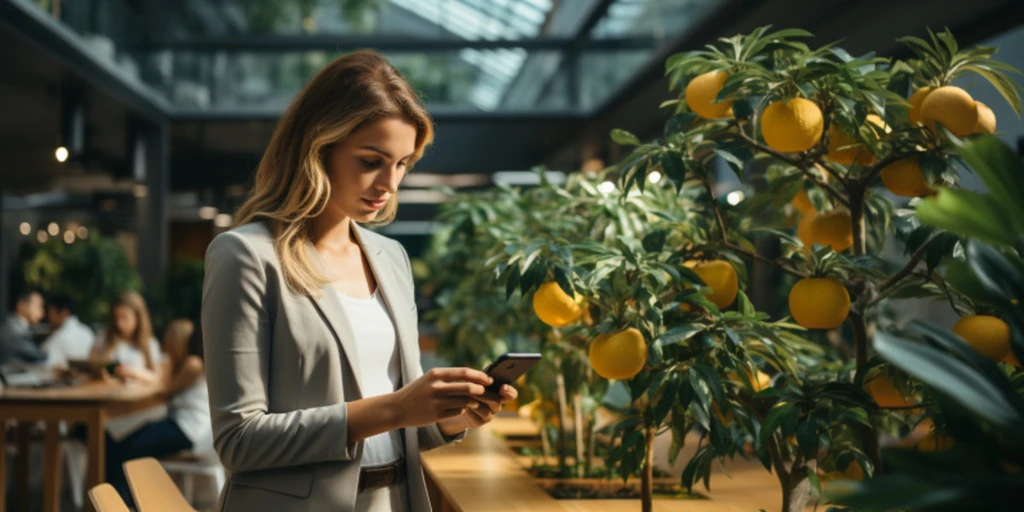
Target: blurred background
{"points": [[130, 129], [141, 122]]}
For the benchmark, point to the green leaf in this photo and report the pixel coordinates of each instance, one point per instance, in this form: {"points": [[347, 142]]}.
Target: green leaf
{"points": [[624, 138], [1002, 171], [1006, 87], [966, 213], [673, 166], [951, 377]]}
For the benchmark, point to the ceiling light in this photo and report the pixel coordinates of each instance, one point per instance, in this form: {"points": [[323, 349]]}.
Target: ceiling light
{"points": [[61, 153], [25, 228], [42, 236], [222, 220], [207, 212], [654, 177], [606, 187], [83, 232], [53, 229], [140, 191], [69, 236], [734, 197]]}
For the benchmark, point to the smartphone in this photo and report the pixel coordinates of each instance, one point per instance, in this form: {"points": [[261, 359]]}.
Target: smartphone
{"points": [[509, 367]]}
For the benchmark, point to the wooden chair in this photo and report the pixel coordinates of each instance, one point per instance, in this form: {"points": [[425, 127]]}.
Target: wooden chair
{"points": [[106, 499], [153, 488]]}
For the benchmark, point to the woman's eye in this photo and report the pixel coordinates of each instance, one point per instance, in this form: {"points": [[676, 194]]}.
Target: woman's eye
{"points": [[369, 164]]}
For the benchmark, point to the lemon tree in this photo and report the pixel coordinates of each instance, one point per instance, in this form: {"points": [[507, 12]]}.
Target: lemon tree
{"points": [[829, 131], [979, 403]]}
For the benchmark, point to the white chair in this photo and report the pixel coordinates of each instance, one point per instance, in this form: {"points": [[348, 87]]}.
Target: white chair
{"points": [[76, 461], [189, 467]]}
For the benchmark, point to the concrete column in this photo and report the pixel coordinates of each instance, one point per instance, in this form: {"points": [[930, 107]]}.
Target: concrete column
{"points": [[152, 206]]}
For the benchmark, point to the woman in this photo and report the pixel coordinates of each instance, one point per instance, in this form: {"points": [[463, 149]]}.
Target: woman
{"points": [[187, 425], [310, 327]]}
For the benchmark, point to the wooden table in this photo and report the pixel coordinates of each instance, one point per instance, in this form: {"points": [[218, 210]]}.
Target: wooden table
{"points": [[482, 473], [91, 404]]}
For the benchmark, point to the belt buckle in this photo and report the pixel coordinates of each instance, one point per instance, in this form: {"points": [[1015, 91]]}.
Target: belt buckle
{"points": [[373, 477]]}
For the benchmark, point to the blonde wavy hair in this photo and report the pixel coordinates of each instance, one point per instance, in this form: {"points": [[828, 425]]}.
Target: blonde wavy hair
{"points": [[292, 186]]}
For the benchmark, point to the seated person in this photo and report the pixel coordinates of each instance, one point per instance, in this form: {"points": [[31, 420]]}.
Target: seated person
{"points": [[16, 344], [128, 342], [187, 426], [70, 339]]}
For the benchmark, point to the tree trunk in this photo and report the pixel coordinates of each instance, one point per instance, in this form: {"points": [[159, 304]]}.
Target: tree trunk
{"points": [[647, 478], [591, 443], [563, 419], [577, 406], [859, 322], [796, 491]]}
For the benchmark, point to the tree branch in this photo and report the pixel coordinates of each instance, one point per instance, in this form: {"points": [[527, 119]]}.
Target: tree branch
{"points": [[758, 257], [832, 192], [718, 213], [907, 269], [777, 460]]}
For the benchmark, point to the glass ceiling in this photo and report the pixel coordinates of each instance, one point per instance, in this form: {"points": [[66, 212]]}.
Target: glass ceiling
{"points": [[252, 56]]}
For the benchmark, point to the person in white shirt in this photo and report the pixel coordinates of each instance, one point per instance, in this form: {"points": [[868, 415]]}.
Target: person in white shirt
{"points": [[187, 425], [128, 342], [70, 339]]}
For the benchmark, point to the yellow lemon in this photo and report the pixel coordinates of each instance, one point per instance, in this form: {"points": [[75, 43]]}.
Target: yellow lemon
{"points": [[819, 302], [802, 203], [884, 393], [555, 307], [844, 149], [915, 104], [987, 334], [905, 178], [935, 443], [758, 382], [986, 119], [833, 228], [951, 106], [702, 91], [791, 126], [619, 356], [720, 276]]}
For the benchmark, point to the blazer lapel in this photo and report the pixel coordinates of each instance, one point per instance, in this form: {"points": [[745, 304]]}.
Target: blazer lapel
{"points": [[333, 314], [391, 289]]}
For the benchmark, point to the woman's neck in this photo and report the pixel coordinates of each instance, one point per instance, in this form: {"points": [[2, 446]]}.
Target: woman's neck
{"points": [[331, 230]]}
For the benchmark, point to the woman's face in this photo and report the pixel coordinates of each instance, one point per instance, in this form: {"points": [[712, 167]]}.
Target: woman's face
{"points": [[366, 168], [125, 321]]}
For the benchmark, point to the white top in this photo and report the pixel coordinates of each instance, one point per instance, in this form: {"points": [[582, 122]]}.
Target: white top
{"points": [[377, 368], [72, 340], [126, 354], [190, 409]]}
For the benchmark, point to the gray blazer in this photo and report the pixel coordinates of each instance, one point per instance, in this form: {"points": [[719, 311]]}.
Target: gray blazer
{"points": [[280, 372]]}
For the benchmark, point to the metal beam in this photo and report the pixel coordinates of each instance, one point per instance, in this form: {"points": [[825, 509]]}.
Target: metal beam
{"points": [[288, 43], [438, 113], [596, 14], [65, 47]]}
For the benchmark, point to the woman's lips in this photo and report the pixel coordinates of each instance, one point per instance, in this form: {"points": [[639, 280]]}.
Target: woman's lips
{"points": [[376, 204]]}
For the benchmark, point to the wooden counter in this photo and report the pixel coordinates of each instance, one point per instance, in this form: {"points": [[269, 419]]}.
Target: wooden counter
{"points": [[482, 474]]}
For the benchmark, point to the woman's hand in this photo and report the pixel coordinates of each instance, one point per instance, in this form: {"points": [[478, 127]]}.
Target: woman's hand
{"points": [[438, 394], [482, 411]]}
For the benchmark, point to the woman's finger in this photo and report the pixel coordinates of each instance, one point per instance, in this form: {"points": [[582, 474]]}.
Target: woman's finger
{"points": [[508, 393]]}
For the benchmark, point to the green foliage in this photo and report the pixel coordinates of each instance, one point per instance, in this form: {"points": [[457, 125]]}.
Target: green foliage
{"points": [[93, 272], [177, 294]]}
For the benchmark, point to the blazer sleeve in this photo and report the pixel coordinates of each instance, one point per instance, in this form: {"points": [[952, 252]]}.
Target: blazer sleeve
{"points": [[430, 436], [237, 330]]}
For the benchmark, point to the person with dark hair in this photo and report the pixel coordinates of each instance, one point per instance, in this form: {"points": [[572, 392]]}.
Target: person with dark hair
{"points": [[16, 334], [70, 339]]}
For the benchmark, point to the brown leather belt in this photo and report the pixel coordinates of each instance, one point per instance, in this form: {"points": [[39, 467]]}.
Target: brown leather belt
{"points": [[373, 477]]}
